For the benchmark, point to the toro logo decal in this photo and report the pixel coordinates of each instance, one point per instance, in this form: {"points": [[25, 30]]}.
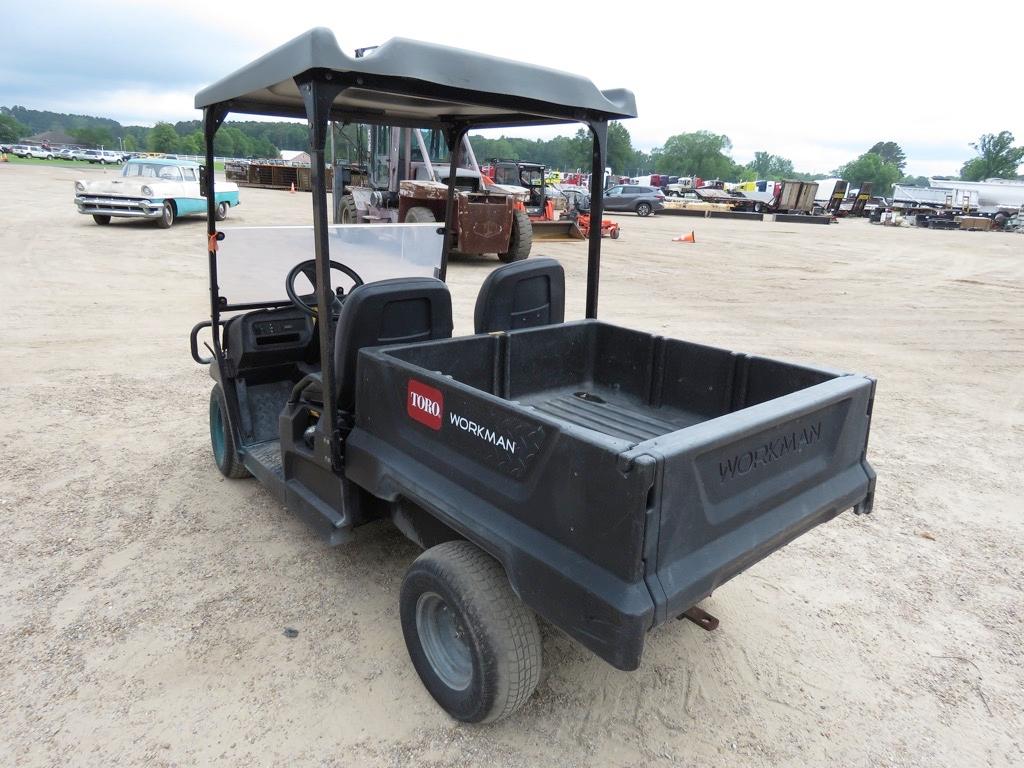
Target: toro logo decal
{"points": [[424, 404]]}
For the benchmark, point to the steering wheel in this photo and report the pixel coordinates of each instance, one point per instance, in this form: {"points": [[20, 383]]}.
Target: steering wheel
{"points": [[308, 268]]}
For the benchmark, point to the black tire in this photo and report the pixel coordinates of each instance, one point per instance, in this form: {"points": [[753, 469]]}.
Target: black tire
{"points": [[614, 234], [458, 591], [349, 212], [419, 214], [167, 215], [222, 439], [520, 240], [101, 218], [644, 209], [222, 210]]}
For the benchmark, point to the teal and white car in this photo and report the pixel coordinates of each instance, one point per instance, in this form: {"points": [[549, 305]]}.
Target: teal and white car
{"points": [[151, 188]]}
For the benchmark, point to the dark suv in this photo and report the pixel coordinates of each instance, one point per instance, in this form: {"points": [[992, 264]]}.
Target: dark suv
{"points": [[628, 197]]}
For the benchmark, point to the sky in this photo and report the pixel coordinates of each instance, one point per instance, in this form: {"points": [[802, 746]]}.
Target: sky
{"points": [[818, 83]]}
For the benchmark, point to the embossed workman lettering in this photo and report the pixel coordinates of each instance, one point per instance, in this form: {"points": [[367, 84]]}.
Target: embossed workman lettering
{"points": [[773, 450]]}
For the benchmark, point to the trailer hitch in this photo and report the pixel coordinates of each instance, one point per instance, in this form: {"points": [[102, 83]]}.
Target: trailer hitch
{"points": [[700, 617]]}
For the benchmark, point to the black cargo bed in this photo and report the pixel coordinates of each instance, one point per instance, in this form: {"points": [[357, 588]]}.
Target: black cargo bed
{"points": [[618, 476], [610, 413], [626, 384]]}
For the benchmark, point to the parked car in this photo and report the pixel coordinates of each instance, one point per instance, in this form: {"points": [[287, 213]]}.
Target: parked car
{"points": [[642, 200], [40, 153], [151, 188], [21, 150], [66, 154]]}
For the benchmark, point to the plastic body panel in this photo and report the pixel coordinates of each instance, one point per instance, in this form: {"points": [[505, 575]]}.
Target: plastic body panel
{"points": [[612, 472]]}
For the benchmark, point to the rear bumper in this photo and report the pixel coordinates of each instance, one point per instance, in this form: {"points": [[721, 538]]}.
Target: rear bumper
{"points": [[127, 207]]}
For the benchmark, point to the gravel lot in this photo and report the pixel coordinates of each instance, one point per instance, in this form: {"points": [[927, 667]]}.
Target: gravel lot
{"points": [[143, 597]]}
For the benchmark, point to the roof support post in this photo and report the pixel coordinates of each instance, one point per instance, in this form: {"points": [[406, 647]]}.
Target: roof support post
{"points": [[453, 135], [318, 96], [212, 118], [599, 130]]}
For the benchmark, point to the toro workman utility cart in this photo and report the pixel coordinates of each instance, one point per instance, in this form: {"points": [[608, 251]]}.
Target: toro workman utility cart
{"points": [[601, 478]]}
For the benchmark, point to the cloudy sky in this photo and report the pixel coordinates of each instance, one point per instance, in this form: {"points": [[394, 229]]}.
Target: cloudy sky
{"points": [[818, 83]]}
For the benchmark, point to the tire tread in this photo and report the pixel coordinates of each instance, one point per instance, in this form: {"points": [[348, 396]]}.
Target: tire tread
{"points": [[492, 602]]}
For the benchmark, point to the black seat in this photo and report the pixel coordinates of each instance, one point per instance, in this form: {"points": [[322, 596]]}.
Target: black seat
{"points": [[523, 294], [399, 311]]}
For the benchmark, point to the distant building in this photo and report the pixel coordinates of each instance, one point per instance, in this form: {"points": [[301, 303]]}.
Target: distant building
{"points": [[50, 139], [295, 156]]}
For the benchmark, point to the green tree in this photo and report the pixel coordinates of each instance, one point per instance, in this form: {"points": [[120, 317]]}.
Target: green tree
{"points": [[701, 153], [11, 130], [769, 166], [870, 167], [192, 144], [163, 138], [130, 144], [997, 158], [891, 152], [621, 156], [914, 181], [93, 136]]}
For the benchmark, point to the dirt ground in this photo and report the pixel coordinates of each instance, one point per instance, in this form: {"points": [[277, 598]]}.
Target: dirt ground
{"points": [[143, 597]]}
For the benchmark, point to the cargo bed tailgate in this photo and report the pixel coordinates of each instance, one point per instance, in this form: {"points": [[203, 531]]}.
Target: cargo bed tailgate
{"points": [[732, 490]]}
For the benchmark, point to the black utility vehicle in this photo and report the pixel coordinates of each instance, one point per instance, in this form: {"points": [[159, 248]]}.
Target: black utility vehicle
{"points": [[602, 478]]}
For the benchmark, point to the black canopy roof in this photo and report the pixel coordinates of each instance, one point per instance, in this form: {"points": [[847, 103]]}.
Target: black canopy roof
{"points": [[407, 81]]}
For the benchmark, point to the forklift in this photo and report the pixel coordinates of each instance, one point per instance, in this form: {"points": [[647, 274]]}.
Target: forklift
{"points": [[406, 180], [545, 214], [599, 478]]}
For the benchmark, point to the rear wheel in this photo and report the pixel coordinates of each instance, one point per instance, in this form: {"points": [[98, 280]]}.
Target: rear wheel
{"points": [[166, 215], [101, 218], [520, 241], [419, 214], [644, 209], [222, 211], [349, 213], [222, 440], [475, 645]]}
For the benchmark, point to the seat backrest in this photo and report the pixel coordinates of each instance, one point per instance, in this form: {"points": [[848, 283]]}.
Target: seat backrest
{"points": [[399, 311], [523, 294]]}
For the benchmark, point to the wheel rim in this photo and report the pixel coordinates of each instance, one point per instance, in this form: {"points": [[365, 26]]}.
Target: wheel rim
{"points": [[222, 210], [644, 209], [217, 433], [168, 213], [444, 642]]}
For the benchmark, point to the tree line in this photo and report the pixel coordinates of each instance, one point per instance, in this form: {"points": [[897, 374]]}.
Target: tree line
{"points": [[698, 153]]}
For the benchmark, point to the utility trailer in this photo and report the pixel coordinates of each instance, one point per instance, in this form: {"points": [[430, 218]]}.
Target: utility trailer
{"points": [[603, 478]]}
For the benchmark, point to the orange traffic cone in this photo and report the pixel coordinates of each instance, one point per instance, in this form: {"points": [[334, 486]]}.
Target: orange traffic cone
{"points": [[689, 238], [293, 188]]}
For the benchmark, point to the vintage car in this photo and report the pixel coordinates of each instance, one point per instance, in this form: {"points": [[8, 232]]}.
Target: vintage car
{"points": [[151, 188]]}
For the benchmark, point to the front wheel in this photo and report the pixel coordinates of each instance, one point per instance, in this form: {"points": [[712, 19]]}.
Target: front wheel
{"points": [[349, 212], [419, 214], [520, 239], [222, 439], [166, 215], [222, 211], [644, 209], [101, 218], [474, 644]]}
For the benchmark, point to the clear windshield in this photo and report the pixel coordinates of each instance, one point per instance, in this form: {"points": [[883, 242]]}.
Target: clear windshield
{"points": [[152, 171], [252, 262]]}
